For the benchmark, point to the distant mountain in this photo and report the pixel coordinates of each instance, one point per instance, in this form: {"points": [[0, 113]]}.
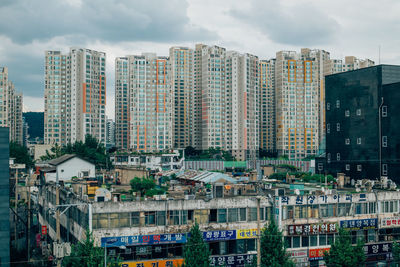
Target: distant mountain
{"points": [[35, 122]]}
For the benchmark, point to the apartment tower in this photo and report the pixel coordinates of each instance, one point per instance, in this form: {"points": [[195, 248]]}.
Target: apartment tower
{"points": [[182, 68], [11, 106], [75, 96], [143, 88]]}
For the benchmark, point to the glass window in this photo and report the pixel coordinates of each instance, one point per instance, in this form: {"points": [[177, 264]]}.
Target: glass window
{"points": [[296, 241], [150, 217], [242, 214], [213, 215], [240, 246], [324, 210], [173, 217], [305, 241], [160, 217], [135, 219], [252, 214], [124, 219], [322, 240], [288, 241], [371, 236], [313, 240], [331, 239], [221, 215], [114, 220], [233, 215]]}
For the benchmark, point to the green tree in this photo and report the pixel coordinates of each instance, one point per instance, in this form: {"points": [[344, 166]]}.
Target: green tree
{"points": [[20, 154], [142, 185], [196, 252], [343, 253], [396, 253], [85, 254], [273, 250]]}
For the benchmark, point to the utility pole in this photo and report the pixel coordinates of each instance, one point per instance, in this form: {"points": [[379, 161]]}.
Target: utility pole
{"points": [[28, 236], [58, 214], [16, 207], [258, 233]]}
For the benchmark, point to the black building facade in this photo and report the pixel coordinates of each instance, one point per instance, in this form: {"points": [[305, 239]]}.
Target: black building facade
{"points": [[4, 198], [363, 123]]}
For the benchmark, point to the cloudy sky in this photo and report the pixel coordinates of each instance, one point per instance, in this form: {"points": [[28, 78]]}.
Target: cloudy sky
{"points": [[124, 27]]}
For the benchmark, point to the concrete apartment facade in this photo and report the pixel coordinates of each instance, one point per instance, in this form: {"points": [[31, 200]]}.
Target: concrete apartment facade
{"points": [[11, 104], [75, 96]]}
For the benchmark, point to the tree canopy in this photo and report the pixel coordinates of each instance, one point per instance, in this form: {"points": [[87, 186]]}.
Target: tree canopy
{"points": [[196, 252], [91, 150], [85, 254], [21, 154], [273, 250], [343, 253]]}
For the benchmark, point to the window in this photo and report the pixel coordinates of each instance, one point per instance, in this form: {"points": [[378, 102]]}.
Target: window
{"points": [[328, 106], [313, 240], [296, 241], [347, 167], [384, 169], [359, 141], [150, 218], [358, 112], [347, 113], [338, 156], [322, 240], [328, 128], [384, 141], [221, 215], [338, 127], [384, 111], [135, 219], [252, 214], [359, 168], [160, 217], [232, 215], [347, 141]]}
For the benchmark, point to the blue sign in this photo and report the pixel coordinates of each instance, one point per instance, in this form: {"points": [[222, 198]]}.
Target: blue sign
{"points": [[143, 240], [234, 260], [360, 224], [219, 235]]}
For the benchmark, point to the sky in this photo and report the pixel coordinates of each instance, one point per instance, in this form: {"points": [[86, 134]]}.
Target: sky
{"points": [[359, 28]]}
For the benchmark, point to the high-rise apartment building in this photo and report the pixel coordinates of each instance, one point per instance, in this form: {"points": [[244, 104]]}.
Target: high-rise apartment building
{"points": [[75, 96], [149, 101], [11, 105], [5, 194], [122, 103], [242, 105], [267, 105], [182, 69], [110, 133], [297, 105]]}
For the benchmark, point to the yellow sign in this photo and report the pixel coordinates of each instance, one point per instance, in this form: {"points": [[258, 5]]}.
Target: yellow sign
{"points": [[246, 233], [154, 263]]}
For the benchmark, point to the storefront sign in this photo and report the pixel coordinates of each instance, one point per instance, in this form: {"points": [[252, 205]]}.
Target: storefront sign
{"points": [[390, 222], [246, 233], [299, 256], [142, 240], [234, 260], [375, 252], [219, 235], [154, 263], [44, 230], [361, 224], [312, 229], [317, 253]]}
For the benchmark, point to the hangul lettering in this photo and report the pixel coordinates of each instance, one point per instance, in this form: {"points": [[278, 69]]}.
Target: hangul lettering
{"points": [[352, 224], [332, 227], [385, 247], [157, 238], [240, 259], [375, 249], [285, 199], [209, 235], [230, 233], [154, 264], [221, 261], [249, 259], [315, 228], [372, 222], [349, 198], [291, 230], [366, 249], [134, 239], [344, 224], [336, 197], [212, 261], [299, 200], [324, 198], [313, 253], [223, 234], [394, 222], [323, 228], [178, 237], [306, 229], [359, 223], [311, 199], [140, 264], [216, 234], [366, 223], [230, 260], [388, 222], [146, 239], [169, 264], [299, 229]]}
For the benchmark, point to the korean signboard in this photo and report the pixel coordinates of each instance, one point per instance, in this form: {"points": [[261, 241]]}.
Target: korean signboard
{"points": [[312, 229], [246, 233], [143, 240], [299, 256], [154, 263], [219, 235], [317, 253], [44, 230], [376, 252], [234, 260], [361, 224], [390, 222]]}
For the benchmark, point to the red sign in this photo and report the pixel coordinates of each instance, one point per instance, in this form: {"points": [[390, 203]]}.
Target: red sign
{"points": [[317, 253], [44, 230]]}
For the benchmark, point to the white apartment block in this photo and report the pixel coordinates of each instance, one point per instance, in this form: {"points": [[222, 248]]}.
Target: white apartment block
{"points": [[75, 96], [267, 105], [150, 102], [110, 133], [122, 103], [297, 105], [11, 105], [182, 70]]}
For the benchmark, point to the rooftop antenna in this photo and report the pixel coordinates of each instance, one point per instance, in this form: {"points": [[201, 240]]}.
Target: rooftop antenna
{"points": [[379, 57]]}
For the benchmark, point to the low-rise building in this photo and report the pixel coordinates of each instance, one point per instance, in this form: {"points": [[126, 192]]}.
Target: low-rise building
{"points": [[155, 231]]}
